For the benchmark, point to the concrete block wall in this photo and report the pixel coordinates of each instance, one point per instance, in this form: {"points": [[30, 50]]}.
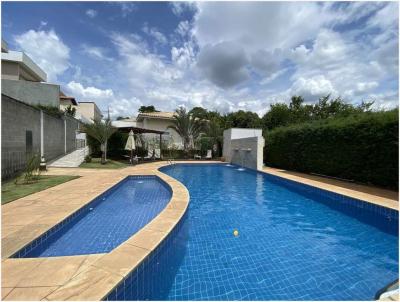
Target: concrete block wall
{"points": [[32, 92], [18, 117], [247, 152], [53, 136]]}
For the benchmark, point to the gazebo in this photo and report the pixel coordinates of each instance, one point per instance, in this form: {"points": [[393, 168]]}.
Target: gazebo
{"points": [[137, 130]]}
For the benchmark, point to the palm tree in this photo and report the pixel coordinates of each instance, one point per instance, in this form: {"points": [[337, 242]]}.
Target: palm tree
{"points": [[214, 133], [100, 131], [187, 126]]}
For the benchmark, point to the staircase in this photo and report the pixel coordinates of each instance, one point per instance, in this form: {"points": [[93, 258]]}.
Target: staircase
{"points": [[71, 160]]}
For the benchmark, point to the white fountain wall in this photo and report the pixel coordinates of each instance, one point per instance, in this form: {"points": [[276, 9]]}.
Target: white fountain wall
{"points": [[247, 152]]}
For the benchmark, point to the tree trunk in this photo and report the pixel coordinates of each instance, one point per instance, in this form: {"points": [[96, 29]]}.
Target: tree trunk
{"points": [[103, 153]]}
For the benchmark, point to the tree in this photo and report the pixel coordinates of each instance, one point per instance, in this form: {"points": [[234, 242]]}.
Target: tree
{"points": [[101, 131], [119, 118], [71, 111], [214, 134], [187, 126], [146, 109], [199, 112], [242, 119], [278, 115]]}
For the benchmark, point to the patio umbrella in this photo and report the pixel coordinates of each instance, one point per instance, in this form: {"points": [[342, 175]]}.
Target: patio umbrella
{"points": [[130, 144]]}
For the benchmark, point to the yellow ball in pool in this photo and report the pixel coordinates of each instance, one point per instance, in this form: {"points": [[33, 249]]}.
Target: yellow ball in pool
{"points": [[235, 233]]}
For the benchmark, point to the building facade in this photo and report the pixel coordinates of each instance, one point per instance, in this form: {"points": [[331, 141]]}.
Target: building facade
{"points": [[161, 121], [89, 111]]}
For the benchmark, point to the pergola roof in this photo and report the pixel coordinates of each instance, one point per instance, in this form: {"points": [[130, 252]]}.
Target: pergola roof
{"points": [[139, 130]]}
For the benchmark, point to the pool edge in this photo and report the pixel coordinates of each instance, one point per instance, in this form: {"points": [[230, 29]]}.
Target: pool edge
{"points": [[112, 268]]}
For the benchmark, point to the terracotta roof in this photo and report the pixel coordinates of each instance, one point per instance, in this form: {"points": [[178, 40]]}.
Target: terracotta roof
{"points": [[164, 115]]}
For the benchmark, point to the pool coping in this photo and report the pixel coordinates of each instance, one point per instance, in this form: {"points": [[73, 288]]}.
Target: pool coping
{"points": [[344, 188], [89, 277]]}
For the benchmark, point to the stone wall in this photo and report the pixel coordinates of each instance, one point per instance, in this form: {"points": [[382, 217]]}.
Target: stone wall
{"points": [[247, 152], [18, 118]]}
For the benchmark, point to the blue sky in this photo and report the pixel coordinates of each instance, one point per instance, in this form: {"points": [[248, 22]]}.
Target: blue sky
{"points": [[222, 56]]}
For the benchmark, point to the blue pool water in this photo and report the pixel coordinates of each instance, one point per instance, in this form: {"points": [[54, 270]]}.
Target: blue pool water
{"points": [[293, 244], [109, 220]]}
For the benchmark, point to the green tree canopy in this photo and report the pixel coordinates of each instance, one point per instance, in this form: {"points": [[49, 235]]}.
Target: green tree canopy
{"points": [[100, 131], [145, 109], [187, 126]]}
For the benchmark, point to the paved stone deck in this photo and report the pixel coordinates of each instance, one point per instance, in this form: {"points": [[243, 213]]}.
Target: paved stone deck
{"points": [[91, 277]]}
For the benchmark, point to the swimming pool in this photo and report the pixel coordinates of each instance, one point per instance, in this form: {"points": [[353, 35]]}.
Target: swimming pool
{"points": [[105, 222], [295, 242]]}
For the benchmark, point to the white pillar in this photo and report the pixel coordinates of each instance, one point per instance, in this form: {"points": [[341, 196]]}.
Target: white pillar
{"points": [[65, 135], [41, 135]]}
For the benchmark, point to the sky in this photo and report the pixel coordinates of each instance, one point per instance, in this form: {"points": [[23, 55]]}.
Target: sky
{"points": [[223, 56]]}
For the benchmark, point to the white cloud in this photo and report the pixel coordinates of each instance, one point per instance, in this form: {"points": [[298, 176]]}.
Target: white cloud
{"points": [[249, 55], [95, 52], [47, 50], [183, 28], [91, 13], [127, 8], [89, 93], [155, 34], [178, 8], [311, 89]]}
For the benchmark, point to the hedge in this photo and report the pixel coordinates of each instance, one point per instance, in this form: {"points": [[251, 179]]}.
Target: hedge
{"points": [[363, 148]]}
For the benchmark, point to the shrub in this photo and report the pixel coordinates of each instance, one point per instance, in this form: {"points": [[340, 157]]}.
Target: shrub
{"points": [[88, 159], [31, 172], [361, 147]]}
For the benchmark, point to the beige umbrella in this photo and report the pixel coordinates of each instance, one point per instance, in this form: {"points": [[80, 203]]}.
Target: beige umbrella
{"points": [[130, 144]]}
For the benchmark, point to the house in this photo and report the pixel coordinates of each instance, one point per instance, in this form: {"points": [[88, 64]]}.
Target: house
{"points": [[124, 123], [160, 121], [89, 111], [23, 80], [66, 101]]}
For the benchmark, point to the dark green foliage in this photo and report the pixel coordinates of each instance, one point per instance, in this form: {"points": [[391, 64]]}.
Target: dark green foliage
{"points": [[144, 109], [52, 110], [359, 147], [71, 111], [281, 114], [32, 172], [88, 159], [242, 119]]}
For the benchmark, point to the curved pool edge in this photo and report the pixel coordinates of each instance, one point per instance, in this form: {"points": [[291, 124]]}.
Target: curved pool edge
{"points": [[110, 270]]}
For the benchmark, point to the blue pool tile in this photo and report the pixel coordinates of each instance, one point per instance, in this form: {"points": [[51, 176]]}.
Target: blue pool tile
{"points": [[296, 242], [105, 222]]}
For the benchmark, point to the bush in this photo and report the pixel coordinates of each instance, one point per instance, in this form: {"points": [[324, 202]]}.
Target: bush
{"points": [[361, 147], [88, 159]]}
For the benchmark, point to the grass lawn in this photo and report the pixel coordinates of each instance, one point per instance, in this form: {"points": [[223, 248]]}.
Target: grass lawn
{"points": [[96, 164], [10, 191]]}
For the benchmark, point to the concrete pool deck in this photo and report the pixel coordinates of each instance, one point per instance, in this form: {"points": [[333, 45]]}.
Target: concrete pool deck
{"points": [[91, 277]]}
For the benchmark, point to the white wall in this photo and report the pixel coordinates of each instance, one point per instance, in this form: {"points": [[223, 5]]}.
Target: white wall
{"points": [[237, 133], [161, 125], [248, 152]]}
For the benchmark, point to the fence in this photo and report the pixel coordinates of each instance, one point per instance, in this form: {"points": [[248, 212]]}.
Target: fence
{"points": [[27, 130]]}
